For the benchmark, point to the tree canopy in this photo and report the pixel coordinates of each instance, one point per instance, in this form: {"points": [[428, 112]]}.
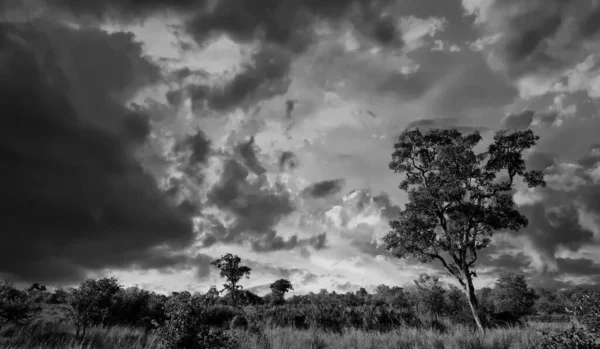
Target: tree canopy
{"points": [[457, 198]]}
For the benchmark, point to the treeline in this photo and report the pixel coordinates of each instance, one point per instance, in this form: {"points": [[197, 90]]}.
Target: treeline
{"points": [[188, 320]]}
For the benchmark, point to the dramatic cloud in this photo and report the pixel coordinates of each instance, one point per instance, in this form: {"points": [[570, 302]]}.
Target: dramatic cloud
{"points": [[256, 208], [248, 154], [538, 36], [215, 133], [520, 120], [425, 125], [75, 197], [287, 161], [198, 145], [324, 188], [263, 78]]}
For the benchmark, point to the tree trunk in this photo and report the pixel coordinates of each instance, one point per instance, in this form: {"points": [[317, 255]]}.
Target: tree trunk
{"points": [[472, 298], [233, 290]]}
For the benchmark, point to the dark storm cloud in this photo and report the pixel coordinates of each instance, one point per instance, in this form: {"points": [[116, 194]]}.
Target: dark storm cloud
{"points": [[425, 125], [275, 271], [547, 118], [543, 35], [284, 30], [137, 126], [255, 207], [318, 242], [290, 24], [446, 78], [287, 161], [171, 263], [536, 29], [248, 153], [550, 229], [519, 121], [198, 145], [579, 266], [74, 196], [289, 108], [264, 77], [539, 161], [202, 264], [389, 210], [590, 24], [592, 157], [123, 10], [271, 242], [324, 188]]}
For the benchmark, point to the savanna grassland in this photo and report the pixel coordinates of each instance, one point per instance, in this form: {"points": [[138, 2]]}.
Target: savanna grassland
{"points": [[54, 335], [102, 314]]}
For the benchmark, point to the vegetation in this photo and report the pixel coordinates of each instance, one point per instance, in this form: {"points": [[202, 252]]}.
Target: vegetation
{"points": [[428, 315], [456, 203], [457, 198]]}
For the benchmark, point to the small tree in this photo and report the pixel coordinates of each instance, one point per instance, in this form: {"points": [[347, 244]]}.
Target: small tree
{"points": [[59, 296], [393, 296], [457, 198], [548, 302], [278, 290], [230, 268], [92, 302], [511, 295], [431, 293], [15, 305]]}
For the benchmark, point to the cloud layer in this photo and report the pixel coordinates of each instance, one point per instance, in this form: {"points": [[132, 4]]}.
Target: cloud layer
{"points": [[148, 137]]}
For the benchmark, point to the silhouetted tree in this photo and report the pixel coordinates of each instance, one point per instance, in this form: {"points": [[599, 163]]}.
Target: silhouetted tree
{"points": [[230, 268], [278, 290], [457, 198]]}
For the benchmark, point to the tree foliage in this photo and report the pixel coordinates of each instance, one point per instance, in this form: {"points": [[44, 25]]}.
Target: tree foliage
{"points": [[457, 197], [233, 272], [91, 303], [15, 305], [278, 290], [185, 327], [511, 295], [431, 294]]}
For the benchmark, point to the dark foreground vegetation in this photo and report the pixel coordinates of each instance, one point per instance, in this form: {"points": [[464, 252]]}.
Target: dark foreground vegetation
{"points": [[103, 314]]}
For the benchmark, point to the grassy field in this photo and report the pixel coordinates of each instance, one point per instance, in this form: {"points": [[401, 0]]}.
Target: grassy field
{"points": [[48, 335]]}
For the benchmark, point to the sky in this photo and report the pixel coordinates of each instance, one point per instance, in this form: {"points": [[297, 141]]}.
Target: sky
{"points": [[143, 139]]}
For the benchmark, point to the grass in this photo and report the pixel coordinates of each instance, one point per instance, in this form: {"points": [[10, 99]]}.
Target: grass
{"points": [[46, 335]]}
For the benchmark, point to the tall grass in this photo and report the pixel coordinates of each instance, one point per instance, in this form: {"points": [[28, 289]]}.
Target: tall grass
{"points": [[410, 338], [44, 335]]}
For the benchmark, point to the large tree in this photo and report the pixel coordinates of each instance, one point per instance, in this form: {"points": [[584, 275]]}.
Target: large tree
{"points": [[457, 197]]}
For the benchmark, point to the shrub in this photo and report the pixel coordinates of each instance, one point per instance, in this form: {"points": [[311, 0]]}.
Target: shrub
{"points": [[185, 327], [585, 306], [15, 305]]}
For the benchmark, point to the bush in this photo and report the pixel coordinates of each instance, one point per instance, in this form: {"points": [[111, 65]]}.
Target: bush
{"points": [[185, 326], [585, 306], [15, 306]]}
